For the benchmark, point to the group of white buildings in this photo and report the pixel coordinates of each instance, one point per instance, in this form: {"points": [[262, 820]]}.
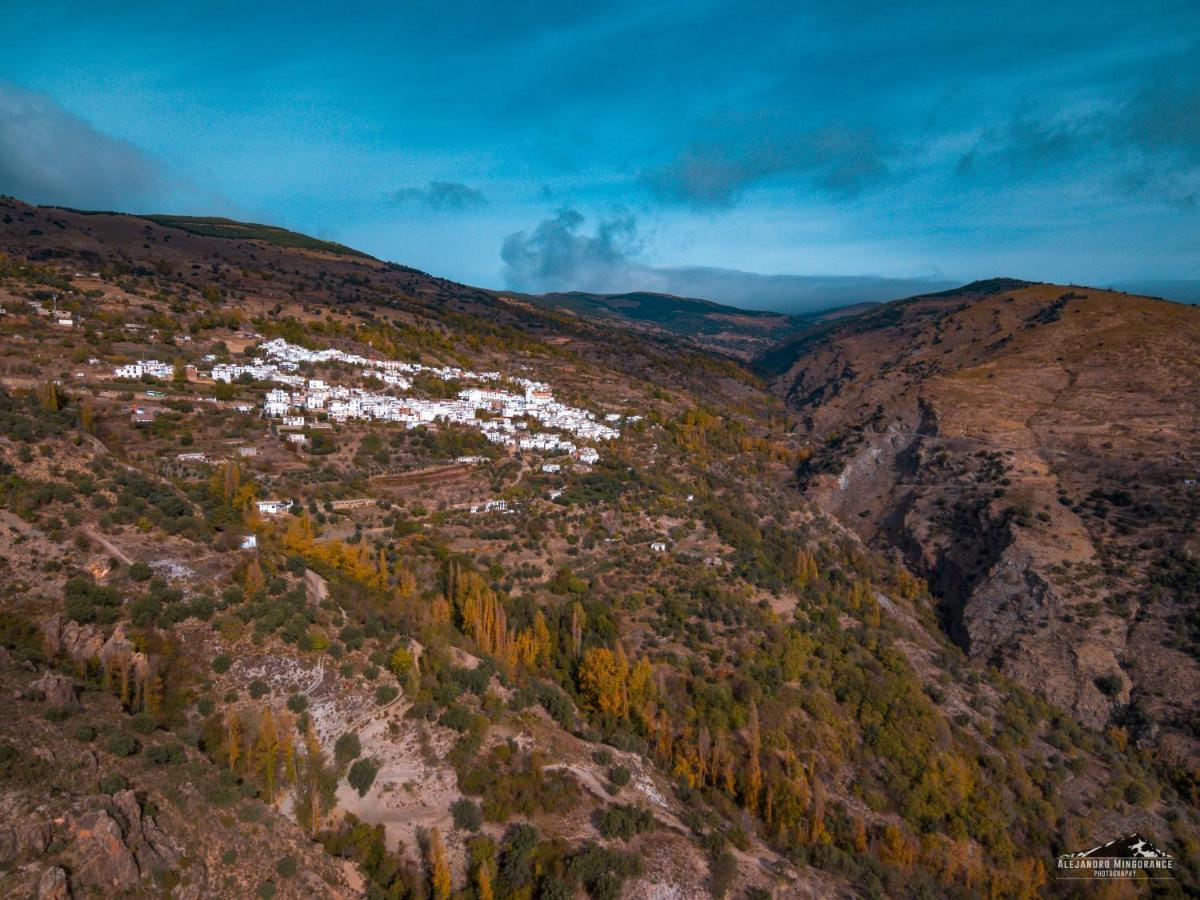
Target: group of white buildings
{"points": [[502, 415], [150, 367]]}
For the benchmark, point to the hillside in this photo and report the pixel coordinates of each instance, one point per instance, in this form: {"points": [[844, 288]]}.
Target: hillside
{"points": [[1031, 450], [727, 329], [323, 576]]}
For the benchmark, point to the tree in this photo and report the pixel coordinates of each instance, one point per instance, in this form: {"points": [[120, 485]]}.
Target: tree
{"points": [[483, 884], [233, 739], [315, 784], [267, 752], [753, 764], [439, 867], [600, 682], [362, 775], [346, 749], [87, 416]]}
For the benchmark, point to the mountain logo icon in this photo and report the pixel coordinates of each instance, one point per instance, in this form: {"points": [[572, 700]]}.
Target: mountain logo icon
{"points": [[1132, 856]]}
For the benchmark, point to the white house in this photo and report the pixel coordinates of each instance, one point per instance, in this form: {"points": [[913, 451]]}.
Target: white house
{"points": [[658, 547], [274, 507]]}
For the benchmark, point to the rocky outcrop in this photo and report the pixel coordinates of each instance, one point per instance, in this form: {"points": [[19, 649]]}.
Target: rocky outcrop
{"points": [[83, 643], [151, 847], [24, 839], [116, 849], [103, 860], [57, 690], [53, 885]]}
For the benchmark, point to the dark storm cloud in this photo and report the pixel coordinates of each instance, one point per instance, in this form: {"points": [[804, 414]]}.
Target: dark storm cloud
{"points": [[49, 155], [837, 161], [442, 196], [558, 256]]}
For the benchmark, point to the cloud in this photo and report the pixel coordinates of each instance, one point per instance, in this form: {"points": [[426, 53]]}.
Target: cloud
{"points": [[1145, 145], [441, 196], [556, 256], [49, 155], [837, 161]]}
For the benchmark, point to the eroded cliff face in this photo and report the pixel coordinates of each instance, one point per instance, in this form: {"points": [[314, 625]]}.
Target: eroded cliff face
{"points": [[1026, 450]]}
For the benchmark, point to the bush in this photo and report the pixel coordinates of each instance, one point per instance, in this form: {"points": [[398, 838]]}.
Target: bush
{"points": [[602, 871], [619, 776], [139, 571], [722, 871], [111, 784], [401, 662], [1109, 685], [362, 775], [258, 689], [467, 816], [164, 754], [456, 717], [144, 723], [85, 733], [347, 749], [625, 822], [297, 703], [286, 866], [221, 663], [121, 744], [385, 694]]}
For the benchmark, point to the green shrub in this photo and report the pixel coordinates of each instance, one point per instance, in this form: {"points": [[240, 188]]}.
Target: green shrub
{"points": [[111, 784], [625, 822], [385, 694], [258, 689], [164, 754], [85, 733], [456, 717], [347, 749], [467, 816], [221, 663], [144, 723], [362, 775], [297, 703], [121, 744], [286, 866]]}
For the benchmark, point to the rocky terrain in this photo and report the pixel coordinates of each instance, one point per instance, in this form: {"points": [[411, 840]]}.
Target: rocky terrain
{"points": [[664, 673], [1032, 450]]}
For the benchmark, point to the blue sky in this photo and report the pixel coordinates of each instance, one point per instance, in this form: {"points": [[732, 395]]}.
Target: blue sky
{"points": [[771, 154]]}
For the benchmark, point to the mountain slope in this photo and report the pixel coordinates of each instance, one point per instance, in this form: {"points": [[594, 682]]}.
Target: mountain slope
{"points": [[471, 653], [1030, 449], [738, 332]]}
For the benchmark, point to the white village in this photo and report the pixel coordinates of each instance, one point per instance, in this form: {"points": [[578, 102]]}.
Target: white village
{"points": [[503, 416]]}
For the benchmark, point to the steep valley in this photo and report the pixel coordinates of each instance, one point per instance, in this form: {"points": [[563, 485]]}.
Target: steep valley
{"points": [[309, 587], [1032, 451]]}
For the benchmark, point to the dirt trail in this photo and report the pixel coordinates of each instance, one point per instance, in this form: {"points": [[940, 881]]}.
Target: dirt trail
{"points": [[108, 545]]}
